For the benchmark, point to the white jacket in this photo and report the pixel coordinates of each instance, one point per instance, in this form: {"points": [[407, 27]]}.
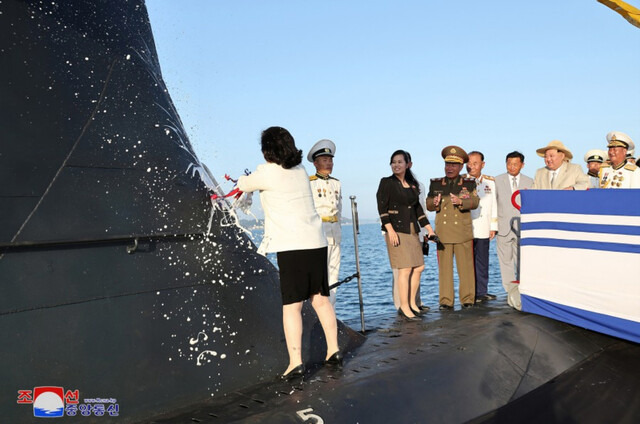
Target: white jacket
{"points": [[485, 216], [290, 218]]}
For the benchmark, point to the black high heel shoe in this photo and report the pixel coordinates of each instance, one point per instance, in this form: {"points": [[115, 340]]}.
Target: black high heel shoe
{"points": [[418, 313], [335, 360], [407, 318], [297, 372]]}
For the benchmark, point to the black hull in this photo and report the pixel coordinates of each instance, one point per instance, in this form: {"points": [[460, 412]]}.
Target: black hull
{"points": [[112, 285], [487, 364], [108, 283]]}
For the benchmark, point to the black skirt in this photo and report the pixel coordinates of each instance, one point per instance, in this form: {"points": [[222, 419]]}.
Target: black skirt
{"points": [[303, 273]]}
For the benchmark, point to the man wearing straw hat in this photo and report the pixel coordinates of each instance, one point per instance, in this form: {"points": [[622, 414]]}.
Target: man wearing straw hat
{"points": [[559, 173], [619, 173]]}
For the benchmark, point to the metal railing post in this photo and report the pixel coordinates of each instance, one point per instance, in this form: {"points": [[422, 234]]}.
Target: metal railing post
{"points": [[356, 231]]}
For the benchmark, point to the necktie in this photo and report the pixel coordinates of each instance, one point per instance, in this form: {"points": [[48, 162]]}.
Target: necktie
{"points": [[553, 177], [514, 184]]}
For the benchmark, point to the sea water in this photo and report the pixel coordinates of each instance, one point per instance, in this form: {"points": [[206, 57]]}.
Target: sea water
{"points": [[376, 275]]}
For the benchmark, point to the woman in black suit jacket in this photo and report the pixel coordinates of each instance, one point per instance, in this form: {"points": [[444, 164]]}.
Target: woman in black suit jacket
{"points": [[400, 214]]}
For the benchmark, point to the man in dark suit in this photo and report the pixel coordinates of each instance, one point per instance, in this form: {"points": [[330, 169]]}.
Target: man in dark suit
{"points": [[507, 244], [453, 197]]}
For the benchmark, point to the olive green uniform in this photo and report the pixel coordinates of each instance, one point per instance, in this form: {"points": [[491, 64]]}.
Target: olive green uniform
{"points": [[454, 228]]}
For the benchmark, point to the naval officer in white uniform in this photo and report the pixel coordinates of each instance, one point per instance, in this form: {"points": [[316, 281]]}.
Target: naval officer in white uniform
{"points": [[594, 159], [327, 197], [619, 173], [484, 221]]}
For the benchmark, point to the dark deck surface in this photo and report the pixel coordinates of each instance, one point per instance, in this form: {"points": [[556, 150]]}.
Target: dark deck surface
{"points": [[477, 364]]}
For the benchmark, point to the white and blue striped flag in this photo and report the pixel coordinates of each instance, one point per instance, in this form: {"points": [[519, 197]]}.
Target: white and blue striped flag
{"points": [[580, 258]]}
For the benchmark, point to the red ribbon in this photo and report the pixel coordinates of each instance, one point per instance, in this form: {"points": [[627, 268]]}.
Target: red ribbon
{"points": [[235, 192]]}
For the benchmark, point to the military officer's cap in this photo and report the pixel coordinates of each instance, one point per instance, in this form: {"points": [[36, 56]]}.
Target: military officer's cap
{"points": [[619, 139], [631, 153], [555, 144], [454, 154], [323, 147], [595, 155]]}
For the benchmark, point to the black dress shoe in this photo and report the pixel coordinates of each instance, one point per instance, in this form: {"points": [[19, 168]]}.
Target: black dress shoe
{"points": [[490, 296], [297, 372], [424, 308], [445, 307], [335, 360], [407, 318], [467, 305], [484, 298]]}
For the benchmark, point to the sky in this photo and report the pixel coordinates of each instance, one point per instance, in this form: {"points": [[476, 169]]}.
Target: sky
{"points": [[377, 76]]}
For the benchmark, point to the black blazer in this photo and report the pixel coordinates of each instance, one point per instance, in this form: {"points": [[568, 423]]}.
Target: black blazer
{"points": [[394, 208]]}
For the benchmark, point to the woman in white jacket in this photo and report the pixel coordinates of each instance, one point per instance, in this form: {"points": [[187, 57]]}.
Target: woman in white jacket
{"points": [[293, 230]]}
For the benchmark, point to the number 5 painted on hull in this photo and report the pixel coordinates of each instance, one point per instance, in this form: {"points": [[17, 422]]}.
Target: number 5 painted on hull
{"points": [[305, 415]]}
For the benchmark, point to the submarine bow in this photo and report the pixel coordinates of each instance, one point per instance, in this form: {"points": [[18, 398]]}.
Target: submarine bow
{"points": [[113, 286]]}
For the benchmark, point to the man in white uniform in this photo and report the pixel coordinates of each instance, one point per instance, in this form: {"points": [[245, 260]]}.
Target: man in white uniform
{"points": [[327, 197], [619, 173], [484, 220], [594, 159]]}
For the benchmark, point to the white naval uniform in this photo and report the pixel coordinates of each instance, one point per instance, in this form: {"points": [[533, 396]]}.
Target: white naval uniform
{"points": [[484, 218], [327, 197], [627, 175]]}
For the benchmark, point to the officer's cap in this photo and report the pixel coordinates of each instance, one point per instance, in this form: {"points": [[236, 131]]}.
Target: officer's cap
{"points": [[454, 154], [595, 155], [323, 147], [619, 139]]}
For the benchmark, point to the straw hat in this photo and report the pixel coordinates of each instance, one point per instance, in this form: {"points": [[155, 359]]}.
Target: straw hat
{"points": [[555, 144]]}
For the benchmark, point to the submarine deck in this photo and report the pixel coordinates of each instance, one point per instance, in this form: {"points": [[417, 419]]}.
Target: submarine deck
{"points": [[488, 363]]}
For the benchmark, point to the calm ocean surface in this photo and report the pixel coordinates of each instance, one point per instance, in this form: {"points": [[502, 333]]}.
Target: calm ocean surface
{"points": [[376, 274]]}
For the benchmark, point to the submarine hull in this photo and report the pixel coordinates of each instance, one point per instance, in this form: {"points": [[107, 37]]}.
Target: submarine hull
{"points": [[119, 280]]}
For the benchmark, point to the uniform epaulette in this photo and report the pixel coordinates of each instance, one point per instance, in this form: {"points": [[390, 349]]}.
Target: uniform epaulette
{"points": [[605, 165], [487, 177], [313, 178], [630, 166]]}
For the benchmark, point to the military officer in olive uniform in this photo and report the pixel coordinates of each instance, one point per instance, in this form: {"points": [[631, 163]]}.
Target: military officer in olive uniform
{"points": [[453, 197], [619, 173], [327, 197]]}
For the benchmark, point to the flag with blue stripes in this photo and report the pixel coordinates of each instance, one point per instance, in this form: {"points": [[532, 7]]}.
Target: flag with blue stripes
{"points": [[580, 258]]}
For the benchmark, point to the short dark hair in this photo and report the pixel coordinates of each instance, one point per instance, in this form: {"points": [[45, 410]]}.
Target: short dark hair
{"points": [[475, 152], [515, 154], [279, 147]]}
